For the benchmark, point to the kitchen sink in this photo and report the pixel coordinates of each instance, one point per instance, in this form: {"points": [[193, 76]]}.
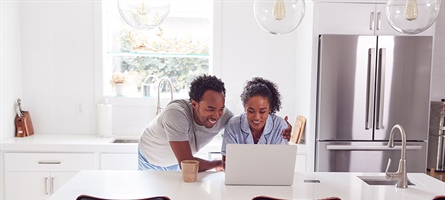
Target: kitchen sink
{"points": [[126, 141], [379, 180]]}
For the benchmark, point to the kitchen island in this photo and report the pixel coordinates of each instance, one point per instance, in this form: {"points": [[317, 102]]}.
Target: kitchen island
{"points": [[210, 185]]}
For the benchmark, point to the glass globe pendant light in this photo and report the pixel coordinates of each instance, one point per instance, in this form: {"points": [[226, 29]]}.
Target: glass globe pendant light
{"points": [[144, 14], [279, 16], [412, 16]]}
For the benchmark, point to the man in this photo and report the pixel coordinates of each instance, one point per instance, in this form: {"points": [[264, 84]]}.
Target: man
{"points": [[185, 126]]}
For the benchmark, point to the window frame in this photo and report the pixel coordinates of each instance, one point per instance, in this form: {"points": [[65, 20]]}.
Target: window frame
{"points": [[99, 57]]}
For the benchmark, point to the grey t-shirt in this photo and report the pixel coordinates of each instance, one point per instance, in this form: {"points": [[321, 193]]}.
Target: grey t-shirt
{"points": [[175, 123]]}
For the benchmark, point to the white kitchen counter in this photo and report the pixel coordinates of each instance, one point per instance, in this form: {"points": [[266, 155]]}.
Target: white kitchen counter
{"points": [[210, 185], [66, 143], [82, 143], [89, 143]]}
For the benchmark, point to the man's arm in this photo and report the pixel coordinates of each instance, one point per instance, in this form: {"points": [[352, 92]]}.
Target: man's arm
{"points": [[286, 133], [224, 162], [182, 151]]}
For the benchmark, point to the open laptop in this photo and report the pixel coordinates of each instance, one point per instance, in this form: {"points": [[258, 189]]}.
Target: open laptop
{"points": [[259, 164]]}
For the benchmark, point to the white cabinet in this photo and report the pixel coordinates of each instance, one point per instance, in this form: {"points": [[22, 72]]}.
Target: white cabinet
{"points": [[356, 19], [300, 165], [34, 185], [38, 175], [118, 161]]}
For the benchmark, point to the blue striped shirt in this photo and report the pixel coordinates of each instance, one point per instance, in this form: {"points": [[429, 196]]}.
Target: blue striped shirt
{"points": [[237, 131]]}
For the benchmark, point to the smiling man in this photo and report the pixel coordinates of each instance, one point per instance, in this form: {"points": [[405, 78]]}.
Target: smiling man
{"points": [[184, 127]]}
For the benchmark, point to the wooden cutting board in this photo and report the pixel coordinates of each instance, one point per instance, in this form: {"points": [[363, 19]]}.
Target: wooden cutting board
{"points": [[298, 130]]}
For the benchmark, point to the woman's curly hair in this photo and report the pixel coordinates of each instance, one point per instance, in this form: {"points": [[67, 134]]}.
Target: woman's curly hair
{"points": [[203, 83], [265, 88]]}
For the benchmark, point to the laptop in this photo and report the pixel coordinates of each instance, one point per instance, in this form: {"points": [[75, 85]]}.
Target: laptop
{"points": [[260, 164]]}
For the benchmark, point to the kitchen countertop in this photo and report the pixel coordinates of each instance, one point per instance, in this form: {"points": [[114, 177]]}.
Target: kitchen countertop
{"points": [[89, 143], [67, 143], [210, 185]]}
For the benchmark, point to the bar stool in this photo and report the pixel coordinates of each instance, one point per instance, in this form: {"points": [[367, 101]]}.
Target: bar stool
{"points": [[88, 197]]}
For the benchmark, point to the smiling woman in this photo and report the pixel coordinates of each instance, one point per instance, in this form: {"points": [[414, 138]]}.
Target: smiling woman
{"points": [[177, 49]]}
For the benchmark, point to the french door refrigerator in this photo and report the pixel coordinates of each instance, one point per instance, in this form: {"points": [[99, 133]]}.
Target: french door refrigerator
{"points": [[366, 85]]}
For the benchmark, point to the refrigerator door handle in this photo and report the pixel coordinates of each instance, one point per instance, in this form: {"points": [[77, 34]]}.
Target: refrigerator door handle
{"points": [[380, 91], [371, 21], [370, 147], [369, 86]]}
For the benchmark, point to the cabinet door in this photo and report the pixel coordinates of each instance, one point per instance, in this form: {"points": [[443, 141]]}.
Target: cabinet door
{"points": [[57, 179], [346, 18], [34, 185], [27, 185], [384, 28], [300, 165], [118, 161]]}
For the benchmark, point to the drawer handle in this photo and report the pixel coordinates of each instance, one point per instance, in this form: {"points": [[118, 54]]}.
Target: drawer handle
{"points": [[46, 186], [52, 185], [49, 162]]}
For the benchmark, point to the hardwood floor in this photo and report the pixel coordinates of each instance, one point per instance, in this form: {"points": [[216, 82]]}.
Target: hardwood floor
{"points": [[438, 175]]}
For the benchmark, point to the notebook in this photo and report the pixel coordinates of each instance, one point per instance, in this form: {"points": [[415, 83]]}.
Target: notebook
{"points": [[259, 164]]}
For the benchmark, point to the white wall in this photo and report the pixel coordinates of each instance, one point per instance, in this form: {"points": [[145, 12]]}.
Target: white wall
{"points": [[10, 73], [10, 66], [58, 65], [248, 51]]}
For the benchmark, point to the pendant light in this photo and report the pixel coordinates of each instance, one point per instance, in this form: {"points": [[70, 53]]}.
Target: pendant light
{"points": [[144, 14], [279, 16], [412, 16]]}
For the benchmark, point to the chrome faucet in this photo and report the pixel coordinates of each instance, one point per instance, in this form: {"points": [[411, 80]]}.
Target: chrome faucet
{"points": [[158, 107], [400, 176]]}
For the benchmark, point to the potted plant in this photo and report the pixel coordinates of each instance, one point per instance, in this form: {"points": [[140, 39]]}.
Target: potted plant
{"points": [[118, 80]]}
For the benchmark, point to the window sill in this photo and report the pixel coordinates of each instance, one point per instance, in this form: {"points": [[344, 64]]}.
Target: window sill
{"points": [[141, 101]]}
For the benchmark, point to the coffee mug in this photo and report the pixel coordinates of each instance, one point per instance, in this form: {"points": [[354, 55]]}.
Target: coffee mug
{"points": [[189, 170]]}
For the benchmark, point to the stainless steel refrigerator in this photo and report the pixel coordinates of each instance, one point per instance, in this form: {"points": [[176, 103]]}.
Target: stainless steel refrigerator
{"points": [[366, 85]]}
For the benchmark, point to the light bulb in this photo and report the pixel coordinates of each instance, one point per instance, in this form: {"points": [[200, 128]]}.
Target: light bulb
{"points": [[140, 15], [412, 16], [279, 11], [144, 14], [411, 10], [142, 10], [279, 16]]}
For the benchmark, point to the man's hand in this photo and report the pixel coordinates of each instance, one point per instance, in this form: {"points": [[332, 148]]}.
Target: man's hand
{"points": [[219, 169], [286, 133], [182, 151]]}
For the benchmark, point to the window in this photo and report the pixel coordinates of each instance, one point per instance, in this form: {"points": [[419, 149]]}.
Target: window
{"points": [[178, 49]]}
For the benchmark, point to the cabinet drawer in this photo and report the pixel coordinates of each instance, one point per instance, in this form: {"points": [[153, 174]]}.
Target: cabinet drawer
{"points": [[49, 161]]}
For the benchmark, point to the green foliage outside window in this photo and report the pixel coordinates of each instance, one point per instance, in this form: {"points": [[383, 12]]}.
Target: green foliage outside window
{"points": [[181, 71], [180, 57]]}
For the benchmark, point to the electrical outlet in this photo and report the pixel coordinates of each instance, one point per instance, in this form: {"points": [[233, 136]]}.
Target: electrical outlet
{"points": [[79, 108]]}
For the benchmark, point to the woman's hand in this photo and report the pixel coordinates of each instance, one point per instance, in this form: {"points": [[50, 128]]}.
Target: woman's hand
{"points": [[286, 133]]}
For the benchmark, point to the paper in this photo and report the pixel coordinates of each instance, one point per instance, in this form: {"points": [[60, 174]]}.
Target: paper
{"points": [[104, 120]]}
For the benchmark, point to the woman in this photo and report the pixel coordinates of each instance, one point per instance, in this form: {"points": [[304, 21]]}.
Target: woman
{"points": [[258, 124]]}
